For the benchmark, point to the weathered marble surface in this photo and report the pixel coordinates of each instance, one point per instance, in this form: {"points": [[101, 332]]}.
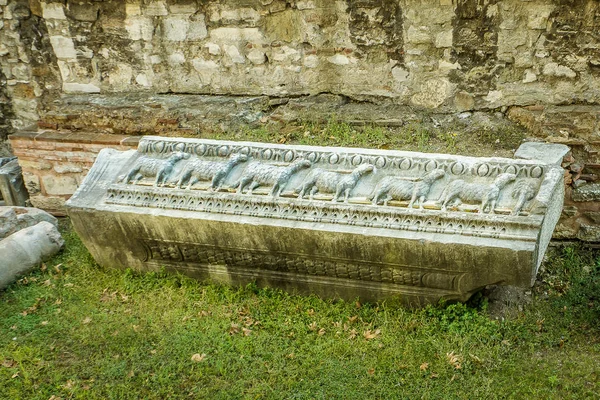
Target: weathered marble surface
{"points": [[12, 187], [28, 236], [338, 222]]}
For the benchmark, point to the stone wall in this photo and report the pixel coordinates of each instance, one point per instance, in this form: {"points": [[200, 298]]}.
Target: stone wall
{"points": [[55, 163], [124, 66]]}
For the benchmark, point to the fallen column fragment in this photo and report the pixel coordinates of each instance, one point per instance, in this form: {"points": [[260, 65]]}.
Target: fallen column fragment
{"points": [[338, 222], [27, 248]]}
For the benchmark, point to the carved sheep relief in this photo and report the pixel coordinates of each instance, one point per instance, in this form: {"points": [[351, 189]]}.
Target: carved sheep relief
{"points": [[360, 180]]}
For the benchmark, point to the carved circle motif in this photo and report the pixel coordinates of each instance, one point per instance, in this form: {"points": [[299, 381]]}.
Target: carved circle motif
{"points": [[223, 151], [511, 169], [334, 159], [431, 165], [289, 156], [380, 162], [158, 147], [356, 160], [245, 150], [179, 147], [312, 157], [536, 171], [483, 170], [457, 168], [267, 154], [200, 149], [405, 164]]}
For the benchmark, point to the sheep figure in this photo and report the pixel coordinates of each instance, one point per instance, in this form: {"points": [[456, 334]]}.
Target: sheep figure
{"points": [[333, 182], [476, 192], [523, 192], [147, 167], [215, 171], [395, 188], [257, 174]]}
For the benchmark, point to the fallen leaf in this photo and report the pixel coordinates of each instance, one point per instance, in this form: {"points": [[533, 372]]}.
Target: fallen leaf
{"points": [[198, 357], [57, 268], [15, 375], [53, 397], [368, 334], [131, 374], [311, 312], [291, 355], [9, 363], [246, 331], [14, 327], [44, 323], [433, 375], [353, 318], [203, 313], [69, 385], [234, 328], [353, 334], [47, 282], [321, 332], [312, 326], [454, 360], [68, 285], [424, 366], [152, 351], [371, 371], [43, 267], [87, 320]]}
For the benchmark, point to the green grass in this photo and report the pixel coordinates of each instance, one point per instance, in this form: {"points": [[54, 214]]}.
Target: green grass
{"points": [[75, 330], [453, 139]]}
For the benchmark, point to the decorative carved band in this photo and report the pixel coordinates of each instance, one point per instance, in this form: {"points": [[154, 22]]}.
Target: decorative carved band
{"points": [[177, 252], [468, 224], [344, 159]]}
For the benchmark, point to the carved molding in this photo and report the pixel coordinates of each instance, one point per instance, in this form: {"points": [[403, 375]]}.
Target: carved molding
{"points": [[366, 271], [470, 224]]}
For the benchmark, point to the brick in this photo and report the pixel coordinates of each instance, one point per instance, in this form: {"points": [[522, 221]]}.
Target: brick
{"points": [[47, 125]]}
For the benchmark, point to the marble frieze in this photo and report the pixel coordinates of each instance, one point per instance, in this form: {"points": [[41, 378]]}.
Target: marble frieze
{"points": [[338, 222]]}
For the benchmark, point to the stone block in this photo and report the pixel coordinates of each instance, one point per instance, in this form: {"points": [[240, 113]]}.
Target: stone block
{"points": [[87, 12], [549, 153], [337, 222], [73, 87], [55, 205], [587, 192], [156, 8], [59, 185], [12, 186], [63, 47], [175, 28], [53, 11]]}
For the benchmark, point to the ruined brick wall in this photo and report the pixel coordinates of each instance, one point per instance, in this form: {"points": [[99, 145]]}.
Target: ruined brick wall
{"points": [[124, 66]]}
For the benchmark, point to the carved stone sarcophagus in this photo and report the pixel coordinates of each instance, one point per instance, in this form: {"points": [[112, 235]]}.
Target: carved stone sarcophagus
{"points": [[338, 222]]}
